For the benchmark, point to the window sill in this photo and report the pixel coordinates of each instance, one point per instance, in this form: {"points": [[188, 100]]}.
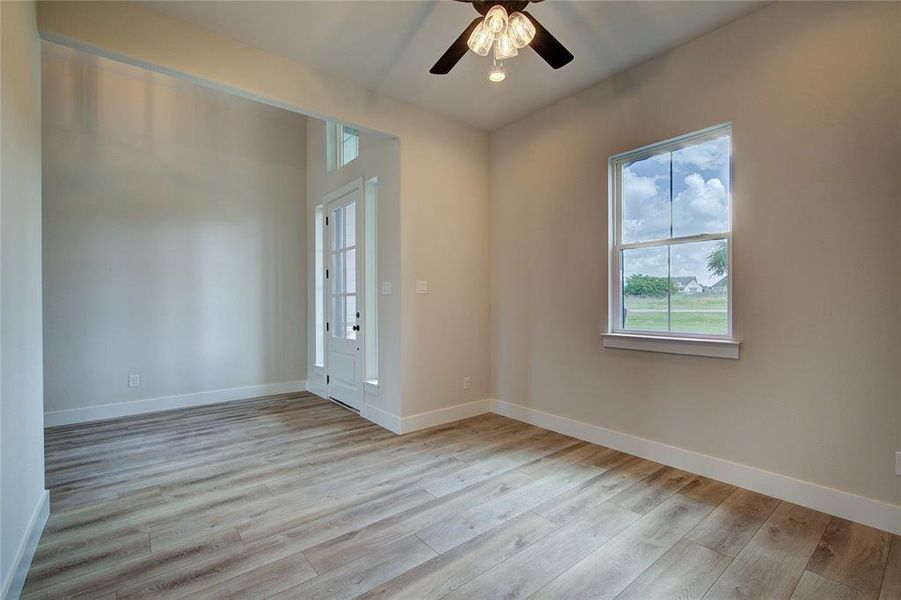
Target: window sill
{"points": [[672, 345], [318, 369], [371, 386]]}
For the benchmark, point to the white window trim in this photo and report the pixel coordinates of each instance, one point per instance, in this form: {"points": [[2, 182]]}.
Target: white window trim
{"points": [[719, 346]]}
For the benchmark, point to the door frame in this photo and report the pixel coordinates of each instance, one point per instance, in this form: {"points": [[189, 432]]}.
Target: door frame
{"points": [[357, 185]]}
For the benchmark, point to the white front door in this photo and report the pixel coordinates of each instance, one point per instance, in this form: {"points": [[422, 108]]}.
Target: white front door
{"points": [[344, 292]]}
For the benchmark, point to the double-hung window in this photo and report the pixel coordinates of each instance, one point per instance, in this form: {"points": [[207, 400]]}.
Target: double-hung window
{"points": [[670, 251]]}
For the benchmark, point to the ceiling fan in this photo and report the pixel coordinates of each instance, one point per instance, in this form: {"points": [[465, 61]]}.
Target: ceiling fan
{"points": [[506, 26]]}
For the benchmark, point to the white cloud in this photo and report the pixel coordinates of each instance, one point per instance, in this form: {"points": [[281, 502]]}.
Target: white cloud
{"points": [[637, 188], [645, 212], [647, 261], [709, 155], [702, 207], [690, 260]]}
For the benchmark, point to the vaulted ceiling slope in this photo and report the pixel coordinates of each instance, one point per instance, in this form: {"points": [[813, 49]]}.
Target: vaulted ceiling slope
{"points": [[389, 46]]}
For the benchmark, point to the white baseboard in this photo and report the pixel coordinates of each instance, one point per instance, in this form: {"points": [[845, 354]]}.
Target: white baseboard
{"points": [[317, 388], [846, 505], [149, 405], [12, 587], [432, 418], [381, 418], [441, 416]]}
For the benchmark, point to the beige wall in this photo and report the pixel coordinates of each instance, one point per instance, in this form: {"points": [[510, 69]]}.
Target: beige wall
{"points": [[813, 92], [21, 412], [443, 179], [379, 157], [174, 236]]}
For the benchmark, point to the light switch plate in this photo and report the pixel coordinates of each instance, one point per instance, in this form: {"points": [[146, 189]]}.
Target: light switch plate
{"points": [[134, 380], [422, 286], [386, 288]]}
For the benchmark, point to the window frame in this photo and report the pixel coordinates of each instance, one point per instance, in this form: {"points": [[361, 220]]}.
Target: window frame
{"points": [[616, 246]]}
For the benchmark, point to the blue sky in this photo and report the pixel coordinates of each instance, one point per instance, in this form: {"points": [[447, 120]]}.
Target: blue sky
{"points": [[700, 204]]}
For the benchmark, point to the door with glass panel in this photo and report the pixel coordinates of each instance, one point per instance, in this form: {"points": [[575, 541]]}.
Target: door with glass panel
{"points": [[344, 293]]}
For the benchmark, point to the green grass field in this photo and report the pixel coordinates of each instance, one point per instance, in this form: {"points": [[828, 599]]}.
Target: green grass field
{"points": [[701, 313]]}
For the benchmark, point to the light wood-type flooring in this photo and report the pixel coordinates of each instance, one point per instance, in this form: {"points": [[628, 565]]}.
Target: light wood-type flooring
{"points": [[294, 497]]}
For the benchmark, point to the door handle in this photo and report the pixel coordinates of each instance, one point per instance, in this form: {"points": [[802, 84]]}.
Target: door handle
{"points": [[356, 328]]}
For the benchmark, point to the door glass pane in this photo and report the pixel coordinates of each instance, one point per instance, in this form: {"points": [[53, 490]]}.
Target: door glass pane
{"points": [[350, 225], [700, 277], [646, 199], [701, 188], [645, 301], [338, 272], [350, 272], [337, 228], [351, 316], [339, 325]]}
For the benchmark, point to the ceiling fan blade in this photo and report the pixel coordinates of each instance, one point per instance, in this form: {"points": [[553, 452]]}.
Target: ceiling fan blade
{"points": [[547, 46], [456, 51]]}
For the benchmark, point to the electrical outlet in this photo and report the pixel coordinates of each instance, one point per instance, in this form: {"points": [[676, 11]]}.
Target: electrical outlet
{"points": [[422, 286], [386, 288], [134, 380], [467, 383]]}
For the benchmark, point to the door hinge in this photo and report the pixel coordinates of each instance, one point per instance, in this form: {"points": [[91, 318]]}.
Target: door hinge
{"points": [[326, 326], [326, 273], [327, 379], [326, 221]]}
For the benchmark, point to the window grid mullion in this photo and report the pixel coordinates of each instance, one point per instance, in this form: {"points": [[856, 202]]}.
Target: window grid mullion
{"points": [[701, 237]]}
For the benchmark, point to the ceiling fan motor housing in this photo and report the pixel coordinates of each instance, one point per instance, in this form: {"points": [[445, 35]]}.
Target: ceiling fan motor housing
{"points": [[483, 6]]}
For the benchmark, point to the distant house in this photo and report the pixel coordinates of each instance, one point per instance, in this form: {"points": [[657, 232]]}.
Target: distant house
{"points": [[721, 286], [688, 285]]}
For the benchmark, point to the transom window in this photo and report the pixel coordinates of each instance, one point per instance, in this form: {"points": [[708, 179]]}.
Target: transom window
{"points": [[343, 144], [671, 219]]}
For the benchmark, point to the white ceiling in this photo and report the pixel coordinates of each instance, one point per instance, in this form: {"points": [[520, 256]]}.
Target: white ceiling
{"points": [[389, 46]]}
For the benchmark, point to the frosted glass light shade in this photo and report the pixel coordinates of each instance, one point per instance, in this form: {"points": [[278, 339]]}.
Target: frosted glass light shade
{"points": [[520, 29], [504, 48], [496, 19], [496, 74], [481, 39]]}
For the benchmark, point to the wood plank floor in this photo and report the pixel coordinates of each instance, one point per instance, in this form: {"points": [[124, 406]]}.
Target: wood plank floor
{"points": [[294, 497]]}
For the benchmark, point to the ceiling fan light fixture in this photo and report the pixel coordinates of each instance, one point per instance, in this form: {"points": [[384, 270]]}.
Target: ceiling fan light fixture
{"points": [[520, 29], [481, 39], [496, 74], [496, 19], [504, 47]]}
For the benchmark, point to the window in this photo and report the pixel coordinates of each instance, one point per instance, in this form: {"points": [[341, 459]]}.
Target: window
{"points": [[671, 233], [320, 286], [350, 144], [370, 278], [343, 144]]}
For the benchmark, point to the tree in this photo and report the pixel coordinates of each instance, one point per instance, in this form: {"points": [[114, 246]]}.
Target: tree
{"points": [[648, 286], [718, 260]]}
